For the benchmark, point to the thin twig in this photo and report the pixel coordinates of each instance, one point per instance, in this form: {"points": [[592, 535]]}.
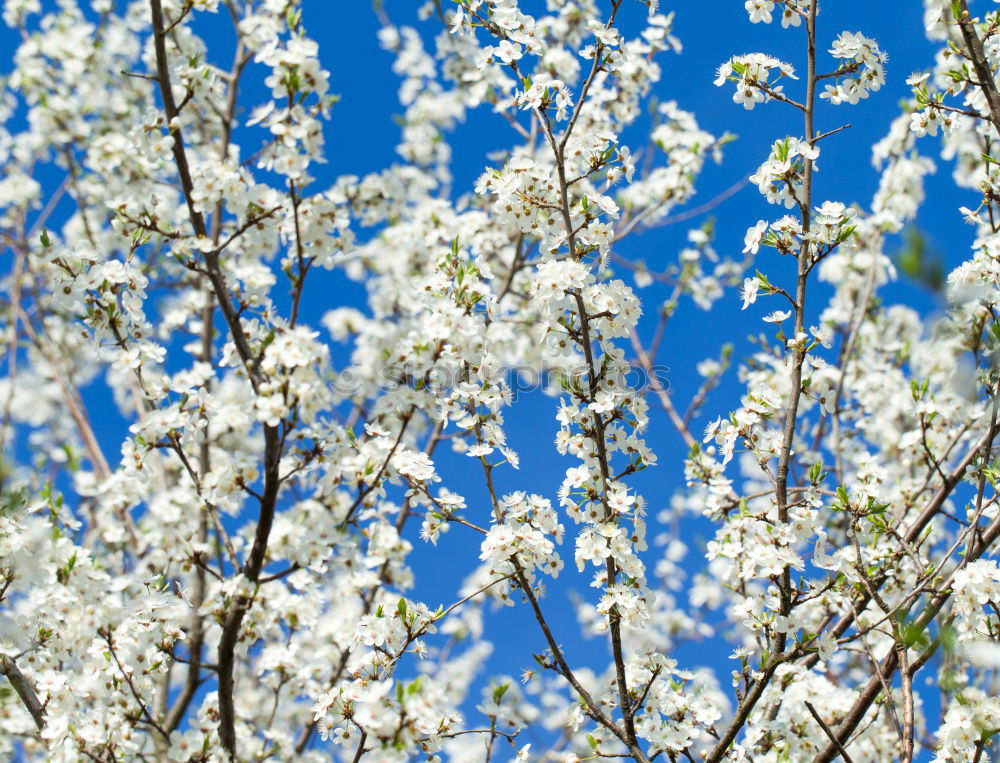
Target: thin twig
{"points": [[829, 732]]}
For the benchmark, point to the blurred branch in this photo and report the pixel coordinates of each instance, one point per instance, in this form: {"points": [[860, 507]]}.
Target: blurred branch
{"points": [[24, 689]]}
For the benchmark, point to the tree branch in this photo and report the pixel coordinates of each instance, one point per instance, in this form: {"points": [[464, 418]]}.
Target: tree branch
{"points": [[24, 690]]}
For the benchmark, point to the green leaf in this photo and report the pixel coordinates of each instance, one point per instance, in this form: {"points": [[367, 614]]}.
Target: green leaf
{"points": [[843, 500], [816, 472], [913, 633], [917, 260], [499, 691]]}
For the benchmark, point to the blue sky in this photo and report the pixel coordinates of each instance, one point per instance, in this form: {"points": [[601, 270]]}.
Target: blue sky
{"points": [[361, 138]]}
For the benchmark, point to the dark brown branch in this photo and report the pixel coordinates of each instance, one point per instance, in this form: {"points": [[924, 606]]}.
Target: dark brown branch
{"points": [[24, 690], [829, 732], [791, 413], [978, 57], [272, 441], [187, 185]]}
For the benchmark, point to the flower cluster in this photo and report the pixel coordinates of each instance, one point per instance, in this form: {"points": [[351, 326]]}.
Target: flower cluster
{"points": [[792, 11], [976, 587], [522, 540], [780, 179], [752, 75], [972, 717], [862, 73]]}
